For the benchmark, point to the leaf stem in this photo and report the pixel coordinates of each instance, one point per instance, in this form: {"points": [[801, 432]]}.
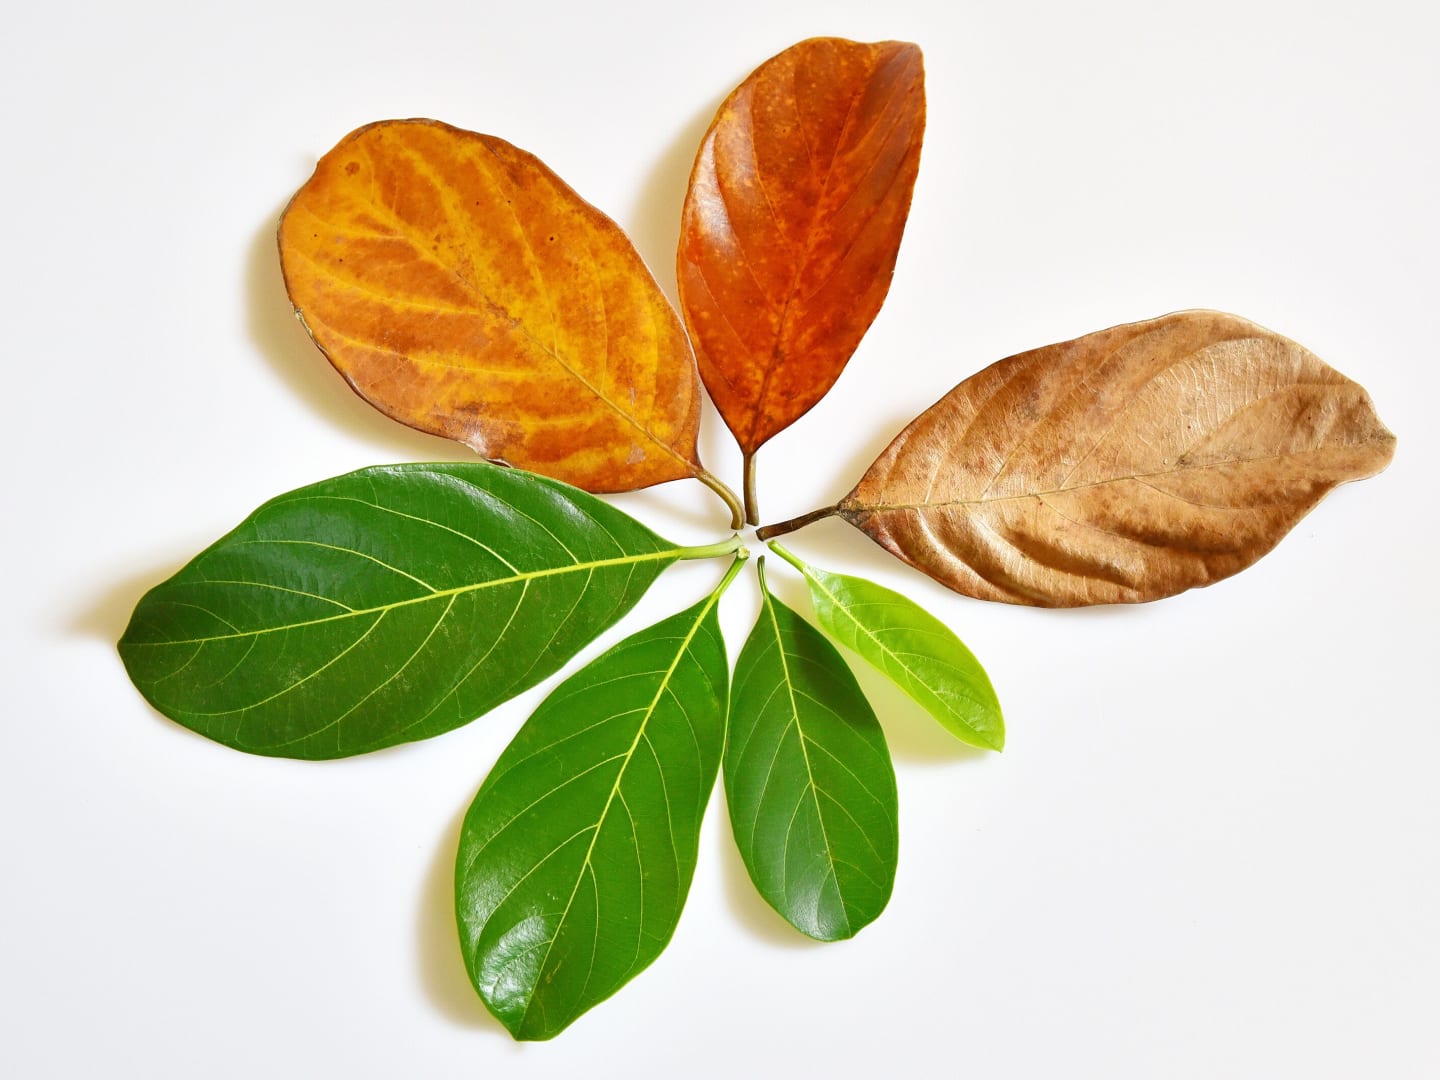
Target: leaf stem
{"points": [[740, 557], [780, 528], [752, 509], [715, 484], [732, 545], [788, 556]]}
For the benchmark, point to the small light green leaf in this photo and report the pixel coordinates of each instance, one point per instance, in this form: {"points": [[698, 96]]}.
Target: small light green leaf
{"points": [[915, 650], [387, 605], [808, 779], [577, 854]]}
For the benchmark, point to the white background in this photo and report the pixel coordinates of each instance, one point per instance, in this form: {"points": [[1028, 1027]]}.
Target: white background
{"points": [[1210, 848]]}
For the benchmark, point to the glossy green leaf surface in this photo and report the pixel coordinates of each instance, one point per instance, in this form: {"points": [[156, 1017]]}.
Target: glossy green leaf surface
{"points": [[808, 779], [911, 647], [386, 605], [576, 856]]}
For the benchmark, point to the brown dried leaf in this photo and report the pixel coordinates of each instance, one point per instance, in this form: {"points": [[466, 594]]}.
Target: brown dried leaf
{"points": [[792, 222], [462, 288], [1120, 467]]}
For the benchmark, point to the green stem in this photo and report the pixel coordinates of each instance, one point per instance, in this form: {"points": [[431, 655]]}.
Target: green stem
{"points": [[715, 484], [740, 557], [788, 556], [731, 545], [780, 528]]}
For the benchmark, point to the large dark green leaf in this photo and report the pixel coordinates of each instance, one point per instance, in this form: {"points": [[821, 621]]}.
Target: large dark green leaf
{"points": [[387, 605], [808, 779], [915, 650], [577, 853]]}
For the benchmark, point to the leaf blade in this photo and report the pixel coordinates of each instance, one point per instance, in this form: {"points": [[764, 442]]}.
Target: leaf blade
{"points": [[642, 725], [464, 289], [383, 606], [911, 647], [1120, 467], [792, 223], [804, 748]]}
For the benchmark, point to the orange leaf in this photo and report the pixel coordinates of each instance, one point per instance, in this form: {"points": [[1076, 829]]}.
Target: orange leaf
{"points": [[792, 222], [1120, 467], [462, 288]]}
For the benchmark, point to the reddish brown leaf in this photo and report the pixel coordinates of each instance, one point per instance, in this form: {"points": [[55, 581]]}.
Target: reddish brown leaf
{"points": [[462, 288], [792, 222], [1120, 467]]}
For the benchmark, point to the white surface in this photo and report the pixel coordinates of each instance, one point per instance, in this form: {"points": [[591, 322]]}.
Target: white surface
{"points": [[1211, 847]]}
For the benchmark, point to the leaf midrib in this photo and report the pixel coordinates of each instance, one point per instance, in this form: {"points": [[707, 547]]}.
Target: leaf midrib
{"points": [[838, 606], [629, 754], [804, 751], [435, 594], [775, 358], [941, 504], [909, 669]]}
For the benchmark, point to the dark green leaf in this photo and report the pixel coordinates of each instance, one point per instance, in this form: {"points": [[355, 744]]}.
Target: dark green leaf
{"points": [[387, 605], [808, 779], [577, 853], [915, 650]]}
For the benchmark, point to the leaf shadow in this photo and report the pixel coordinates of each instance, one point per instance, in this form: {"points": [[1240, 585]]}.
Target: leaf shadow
{"points": [[654, 221], [653, 225], [913, 735], [682, 502], [107, 616], [440, 966], [746, 903], [287, 348]]}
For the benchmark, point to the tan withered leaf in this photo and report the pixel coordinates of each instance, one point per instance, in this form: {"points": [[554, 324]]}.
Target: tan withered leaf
{"points": [[462, 288], [792, 222], [1122, 466]]}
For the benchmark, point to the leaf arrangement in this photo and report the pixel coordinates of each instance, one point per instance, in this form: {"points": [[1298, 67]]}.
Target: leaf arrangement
{"points": [[462, 288]]}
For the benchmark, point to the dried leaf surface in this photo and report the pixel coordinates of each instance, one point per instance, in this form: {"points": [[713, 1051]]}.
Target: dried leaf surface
{"points": [[463, 289], [792, 222], [1120, 467]]}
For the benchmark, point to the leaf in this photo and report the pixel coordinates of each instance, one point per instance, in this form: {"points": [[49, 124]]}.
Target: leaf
{"points": [[912, 648], [1120, 467], [792, 223], [577, 854], [462, 288], [808, 779], [387, 605]]}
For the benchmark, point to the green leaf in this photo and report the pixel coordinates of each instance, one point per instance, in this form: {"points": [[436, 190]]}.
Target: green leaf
{"points": [[387, 605], [915, 650], [577, 854], [808, 779]]}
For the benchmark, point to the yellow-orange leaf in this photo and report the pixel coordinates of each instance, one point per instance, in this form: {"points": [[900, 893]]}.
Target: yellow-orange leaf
{"points": [[1120, 467], [462, 288], [792, 223]]}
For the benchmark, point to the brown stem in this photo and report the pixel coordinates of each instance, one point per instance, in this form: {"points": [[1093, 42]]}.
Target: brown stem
{"points": [[737, 516], [752, 511], [780, 528]]}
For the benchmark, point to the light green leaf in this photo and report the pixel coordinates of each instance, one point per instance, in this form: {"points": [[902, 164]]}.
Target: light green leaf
{"points": [[915, 650], [577, 854], [387, 605], [808, 779]]}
